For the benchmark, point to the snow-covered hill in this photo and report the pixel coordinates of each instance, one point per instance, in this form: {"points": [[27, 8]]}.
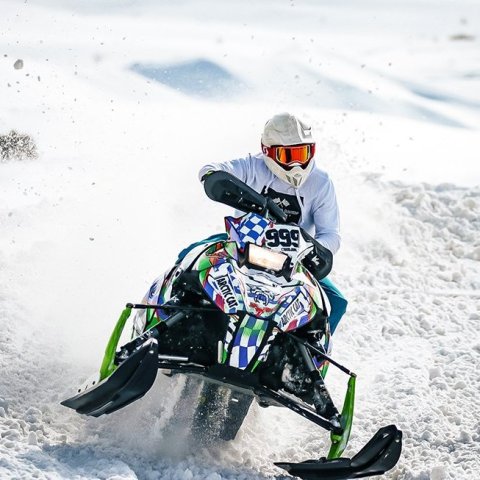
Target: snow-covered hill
{"points": [[126, 100]]}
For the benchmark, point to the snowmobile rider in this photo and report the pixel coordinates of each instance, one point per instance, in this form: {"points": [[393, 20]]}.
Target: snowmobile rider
{"points": [[285, 171]]}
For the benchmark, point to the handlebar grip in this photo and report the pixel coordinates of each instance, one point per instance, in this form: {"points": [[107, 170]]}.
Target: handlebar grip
{"points": [[276, 211]]}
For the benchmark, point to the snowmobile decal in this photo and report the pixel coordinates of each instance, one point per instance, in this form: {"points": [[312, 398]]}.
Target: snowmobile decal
{"points": [[266, 348], [251, 228], [261, 295], [221, 286], [158, 293], [217, 254], [260, 301], [153, 290], [295, 313], [229, 335], [285, 238], [247, 341]]}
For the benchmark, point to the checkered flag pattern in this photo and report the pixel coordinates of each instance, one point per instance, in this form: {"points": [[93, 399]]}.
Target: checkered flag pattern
{"points": [[252, 228], [249, 337], [266, 348], [232, 326]]}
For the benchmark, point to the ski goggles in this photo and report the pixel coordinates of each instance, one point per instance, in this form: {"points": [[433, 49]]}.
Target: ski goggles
{"points": [[287, 155]]}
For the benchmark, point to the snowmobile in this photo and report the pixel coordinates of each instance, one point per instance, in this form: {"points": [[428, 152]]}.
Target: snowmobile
{"points": [[245, 314]]}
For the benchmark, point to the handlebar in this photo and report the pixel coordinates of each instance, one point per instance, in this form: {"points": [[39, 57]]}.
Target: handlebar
{"points": [[225, 188]]}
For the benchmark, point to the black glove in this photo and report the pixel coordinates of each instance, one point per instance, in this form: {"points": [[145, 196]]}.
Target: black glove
{"points": [[318, 261]]}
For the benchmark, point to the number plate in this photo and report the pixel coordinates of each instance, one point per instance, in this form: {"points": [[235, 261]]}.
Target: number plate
{"points": [[285, 238]]}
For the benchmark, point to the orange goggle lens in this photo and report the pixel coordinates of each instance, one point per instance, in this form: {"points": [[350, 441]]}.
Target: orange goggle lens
{"points": [[292, 154]]}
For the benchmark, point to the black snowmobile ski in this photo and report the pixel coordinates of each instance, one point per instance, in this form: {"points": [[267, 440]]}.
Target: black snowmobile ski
{"points": [[378, 456], [130, 381]]}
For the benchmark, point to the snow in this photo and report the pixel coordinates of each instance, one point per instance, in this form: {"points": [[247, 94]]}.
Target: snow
{"points": [[392, 91]]}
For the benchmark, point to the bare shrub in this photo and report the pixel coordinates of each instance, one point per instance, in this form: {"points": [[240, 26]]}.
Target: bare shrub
{"points": [[17, 146]]}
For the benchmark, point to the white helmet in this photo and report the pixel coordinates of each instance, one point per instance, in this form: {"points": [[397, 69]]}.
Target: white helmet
{"points": [[288, 148]]}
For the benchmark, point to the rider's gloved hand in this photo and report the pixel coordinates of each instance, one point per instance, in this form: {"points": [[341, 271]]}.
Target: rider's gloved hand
{"points": [[316, 262], [206, 175]]}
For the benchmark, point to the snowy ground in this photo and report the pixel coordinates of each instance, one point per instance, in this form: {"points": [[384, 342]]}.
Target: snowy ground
{"points": [[126, 100]]}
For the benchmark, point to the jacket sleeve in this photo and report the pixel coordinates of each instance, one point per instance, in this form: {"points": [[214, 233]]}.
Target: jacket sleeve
{"points": [[326, 218], [241, 168]]}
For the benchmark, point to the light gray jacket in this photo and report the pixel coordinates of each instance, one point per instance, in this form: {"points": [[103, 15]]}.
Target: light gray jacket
{"points": [[316, 196]]}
